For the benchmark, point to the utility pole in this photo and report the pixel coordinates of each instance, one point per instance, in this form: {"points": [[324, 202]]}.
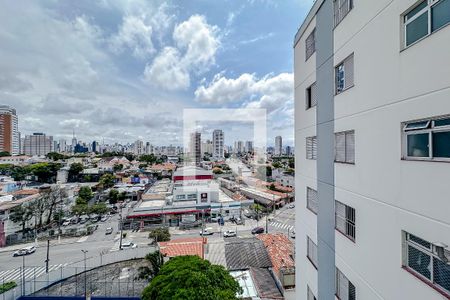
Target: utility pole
{"points": [[23, 275], [121, 227], [48, 256], [85, 275]]}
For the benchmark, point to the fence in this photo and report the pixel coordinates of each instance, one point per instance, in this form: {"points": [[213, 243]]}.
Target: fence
{"points": [[33, 279]]}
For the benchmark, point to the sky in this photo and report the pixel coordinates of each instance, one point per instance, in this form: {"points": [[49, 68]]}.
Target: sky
{"points": [[119, 71]]}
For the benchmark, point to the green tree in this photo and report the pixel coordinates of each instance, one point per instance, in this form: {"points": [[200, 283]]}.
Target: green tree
{"points": [[107, 180], [98, 209], [160, 234], [148, 158], [21, 214], [192, 278], [4, 153], [113, 196], [46, 172], [55, 156], [80, 209], [291, 163], [156, 260], [75, 169], [277, 165], [272, 187], [85, 193], [117, 167]]}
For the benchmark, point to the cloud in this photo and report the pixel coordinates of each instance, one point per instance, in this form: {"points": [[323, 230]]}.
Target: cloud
{"points": [[136, 35], [59, 104], [196, 44], [14, 84], [73, 123], [270, 92], [257, 39]]}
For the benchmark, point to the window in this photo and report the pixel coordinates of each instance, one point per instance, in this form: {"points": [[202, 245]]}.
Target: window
{"points": [[311, 295], [421, 258], [311, 252], [312, 202], [180, 197], [344, 147], [341, 9], [344, 75], [424, 19], [311, 96], [427, 140], [345, 220], [311, 147], [310, 44], [192, 196], [345, 290]]}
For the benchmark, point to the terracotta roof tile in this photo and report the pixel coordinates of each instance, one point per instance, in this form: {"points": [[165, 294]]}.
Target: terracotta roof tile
{"points": [[280, 249], [183, 246]]}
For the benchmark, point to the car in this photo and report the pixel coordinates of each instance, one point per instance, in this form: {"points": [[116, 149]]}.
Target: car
{"points": [[104, 218], [257, 230], [25, 251], [128, 245], [109, 230], [270, 219], [238, 221], [292, 206], [66, 223], [206, 231], [230, 233], [292, 234]]}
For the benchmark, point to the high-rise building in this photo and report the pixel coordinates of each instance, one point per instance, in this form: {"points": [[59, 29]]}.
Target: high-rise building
{"points": [[372, 128], [95, 146], [238, 147], [38, 144], [249, 146], [138, 147], [278, 146], [207, 147], [195, 148], [62, 146], [9, 130], [218, 144], [288, 151]]}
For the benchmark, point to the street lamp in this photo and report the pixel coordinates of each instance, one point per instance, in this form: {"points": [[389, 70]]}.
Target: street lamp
{"points": [[23, 275], [85, 275]]}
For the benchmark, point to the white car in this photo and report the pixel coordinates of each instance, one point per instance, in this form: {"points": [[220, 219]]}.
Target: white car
{"points": [[25, 251], [229, 233], [66, 223], [128, 245], [206, 231], [292, 206]]}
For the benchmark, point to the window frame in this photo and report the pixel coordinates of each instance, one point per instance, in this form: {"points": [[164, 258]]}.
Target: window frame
{"points": [[406, 243], [350, 6], [346, 160], [428, 9], [347, 222], [308, 201], [312, 35], [310, 294], [313, 146], [430, 129], [309, 96], [336, 67], [337, 281], [310, 242]]}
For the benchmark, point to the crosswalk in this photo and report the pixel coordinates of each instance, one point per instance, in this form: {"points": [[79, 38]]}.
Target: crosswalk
{"points": [[282, 226], [30, 272]]}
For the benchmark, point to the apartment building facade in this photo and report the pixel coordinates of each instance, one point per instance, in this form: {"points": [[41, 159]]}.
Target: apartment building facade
{"points": [[218, 144], [372, 144], [38, 144], [9, 130], [278, 146]]}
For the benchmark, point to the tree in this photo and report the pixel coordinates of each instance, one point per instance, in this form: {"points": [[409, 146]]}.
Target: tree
{"points": [[113, 196], [156, 260], [272, 187], [160, 234], [148, 158], [107, 181], [55, 156], [51, 198], [80, 209], [21, 214], [4, 153], [117, 167], [129, 156], [75, 169], [277, 165], [98, 209], [46, 172], [192, 278], [85, 193], [217, 171]]}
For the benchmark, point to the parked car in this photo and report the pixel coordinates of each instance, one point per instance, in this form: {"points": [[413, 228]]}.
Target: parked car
{"points": [[128, 245], [109, 230], [66, 223], [104, 218], [292, 234], [257, 230], [230, 233], [206, 231], [292, 206], [25, 251], [238, 221]]}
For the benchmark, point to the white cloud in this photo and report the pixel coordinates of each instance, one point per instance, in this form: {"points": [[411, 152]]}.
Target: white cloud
{"points": [[73, 123], [196, 45], [166, 71], [136, 35], [270, 92]]}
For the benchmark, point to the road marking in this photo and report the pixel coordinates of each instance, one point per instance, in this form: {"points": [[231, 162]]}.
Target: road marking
{"points": [[83, 239]]}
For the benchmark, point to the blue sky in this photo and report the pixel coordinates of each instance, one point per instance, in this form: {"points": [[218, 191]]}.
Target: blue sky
{"points": [[124, 70]]}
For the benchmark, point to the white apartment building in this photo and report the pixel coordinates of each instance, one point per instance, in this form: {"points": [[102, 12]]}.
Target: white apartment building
{"points": [[372, 146], [218, 144], [278, 146], [38, 144]]}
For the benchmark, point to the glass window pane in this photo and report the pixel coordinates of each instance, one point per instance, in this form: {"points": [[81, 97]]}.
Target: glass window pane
{"points": [[418, 145], [441, 273], [441, 144], [417, 125], [419, 241], [413, 12], [419, 262], [442, 122], [440, 14], [340, 78], [417, 29]]}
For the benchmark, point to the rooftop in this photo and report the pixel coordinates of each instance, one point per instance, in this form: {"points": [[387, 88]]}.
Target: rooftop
{"points": [[183, 246], [280, 250], [245, 253]]}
